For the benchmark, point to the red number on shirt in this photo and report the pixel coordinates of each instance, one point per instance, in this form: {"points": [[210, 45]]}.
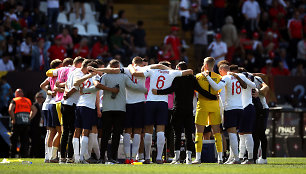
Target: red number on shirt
{"points": [[134, 79], [88, 84], [238, 88], [85, 85], [160, 82]]}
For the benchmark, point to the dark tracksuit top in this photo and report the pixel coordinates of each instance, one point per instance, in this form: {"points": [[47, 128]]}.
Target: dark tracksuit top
{"points": [[184, 87]]}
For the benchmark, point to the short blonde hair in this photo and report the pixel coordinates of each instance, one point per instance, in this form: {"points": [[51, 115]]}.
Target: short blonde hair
{"points": [[209, 61]]}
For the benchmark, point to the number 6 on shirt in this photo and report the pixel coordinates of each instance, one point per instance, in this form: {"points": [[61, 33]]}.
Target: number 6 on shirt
{"points": [[160, 82]]}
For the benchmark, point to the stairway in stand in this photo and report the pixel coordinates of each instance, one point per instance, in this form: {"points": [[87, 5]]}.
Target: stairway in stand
{"points": [[155, 18]]}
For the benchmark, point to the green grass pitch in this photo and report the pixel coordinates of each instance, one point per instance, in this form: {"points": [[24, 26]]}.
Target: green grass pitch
{"points": [[276, 165]]}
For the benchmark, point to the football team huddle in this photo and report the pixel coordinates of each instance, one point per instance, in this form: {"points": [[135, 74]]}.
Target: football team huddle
{"points": [[88, 104]]}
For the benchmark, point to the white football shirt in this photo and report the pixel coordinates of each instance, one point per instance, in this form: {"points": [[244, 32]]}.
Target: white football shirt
{"points": [[88, 99], [247, 96], [72, 76], [233, 90], [132, 95], [160, 79], [258, 81]]}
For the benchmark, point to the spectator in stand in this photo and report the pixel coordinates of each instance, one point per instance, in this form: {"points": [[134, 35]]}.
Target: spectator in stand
{"points": [[269, 43], [57, 51], [67, 41], [275, 32], [26, 20], [280, 70], [299, 70], [79, 5], [11, 46], [6, 64], [219, 10], [194, 14], [107, 20], [3, 33], [283, 58], [184, 15], [257, 45], [76, 38], [173, 11], [200, 41], [81, 49], [301, 49], [100, 49], [116, 42], [6, 94], [166, 53], [139, 40], [124, 22], [251, 12], [217, 49], [268, 68], [230, 37], [251, 62], [244, 42], [53, 11], [295, 31], [40, 61], [2, 47], [264, 22], [278, 14], [11, 14], [26, 51], [175, 43]]}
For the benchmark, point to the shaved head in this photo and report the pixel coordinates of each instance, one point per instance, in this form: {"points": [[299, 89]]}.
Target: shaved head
{"points": [[18, 93]]}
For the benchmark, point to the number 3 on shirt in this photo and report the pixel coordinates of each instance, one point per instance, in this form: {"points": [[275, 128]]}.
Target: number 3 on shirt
{"points": [[160, 82], [238, 88]]}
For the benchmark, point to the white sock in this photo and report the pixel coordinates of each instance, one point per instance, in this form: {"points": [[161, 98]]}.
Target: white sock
{"points": [[160, 144], [234, 143], [54, 152], [176, 155], [99, 140], [84, 148], [76, 148], [95, 146], [242, 148], [46, 145], [135, 145], [147, 144], [90, 143], [49, 152], [231, 155], [188, 155], [127, 145], [198, 156], [220, 156], [249, 145]]}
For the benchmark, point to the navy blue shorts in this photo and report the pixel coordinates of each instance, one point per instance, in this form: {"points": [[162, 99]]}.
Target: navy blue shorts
{"points": [[85, 117], [247, 121], [52, 119], [156, 113], [45, 112], [232, 117], [135, 114]]}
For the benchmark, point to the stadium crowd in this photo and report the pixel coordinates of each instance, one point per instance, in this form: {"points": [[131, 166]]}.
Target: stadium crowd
{"points": [[270, 40], [265, 36]]}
